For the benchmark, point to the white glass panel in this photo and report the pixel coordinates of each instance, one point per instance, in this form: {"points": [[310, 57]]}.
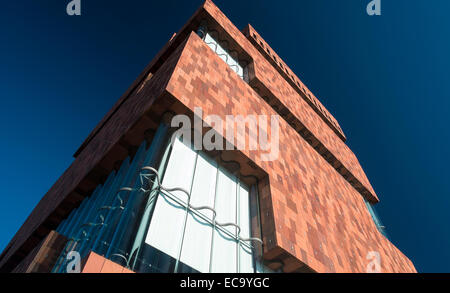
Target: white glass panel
{"points": [[211, 187], [196, 249], [224, 250], [240, 70], [211, 42], [245, 253], [167, 223], [224, 256], [224, 55]]}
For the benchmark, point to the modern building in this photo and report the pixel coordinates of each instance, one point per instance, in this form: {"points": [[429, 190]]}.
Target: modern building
{"points": [[138, 198]]}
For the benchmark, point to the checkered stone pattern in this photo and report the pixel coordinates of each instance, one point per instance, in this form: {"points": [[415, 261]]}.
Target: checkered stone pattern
{"points": [[312, 211], [319, 218], [266, 74], [265, 49]]}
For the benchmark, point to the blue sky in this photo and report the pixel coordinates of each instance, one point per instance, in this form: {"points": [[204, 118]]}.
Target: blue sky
{"points": [[386, 79]]}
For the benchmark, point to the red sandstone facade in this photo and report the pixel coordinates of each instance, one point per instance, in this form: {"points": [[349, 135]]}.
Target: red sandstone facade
{"points": [[313, 213]]}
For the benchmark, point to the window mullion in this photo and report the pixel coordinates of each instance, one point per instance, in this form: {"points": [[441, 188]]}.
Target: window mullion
{"points": [[214, 221], [186, 216]]}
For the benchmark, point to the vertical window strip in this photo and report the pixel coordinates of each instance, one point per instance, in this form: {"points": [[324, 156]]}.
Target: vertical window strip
{"points": [[187, 213], [376, 218], [214, 223], [224, 53], [105, 196], [237, 221]]}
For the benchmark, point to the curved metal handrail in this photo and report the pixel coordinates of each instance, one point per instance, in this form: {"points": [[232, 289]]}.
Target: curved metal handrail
{"points": [[214, 221], [166, 191]]}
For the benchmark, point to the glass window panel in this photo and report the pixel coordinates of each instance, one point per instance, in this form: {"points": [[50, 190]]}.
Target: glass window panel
{"points": [[210, 42], [175, 239], [224, 250], [167, 223], [224, 55], [224, 256], [225, 203], [245, 252], [197, 236]]}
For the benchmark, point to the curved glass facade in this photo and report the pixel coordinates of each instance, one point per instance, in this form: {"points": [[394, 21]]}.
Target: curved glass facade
{"points": [[220, 47], [169, 209], [376, 218]]}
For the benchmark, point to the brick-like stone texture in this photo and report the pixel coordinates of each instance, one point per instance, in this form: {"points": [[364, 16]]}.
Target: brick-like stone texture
{"points": [[44, 256], [319, 217], [282, 68], [268, 76], [313, 213], [95, 264]]}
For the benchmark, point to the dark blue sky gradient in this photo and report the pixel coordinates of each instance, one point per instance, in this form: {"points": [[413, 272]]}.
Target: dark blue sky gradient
{"points": [[386, 80]]}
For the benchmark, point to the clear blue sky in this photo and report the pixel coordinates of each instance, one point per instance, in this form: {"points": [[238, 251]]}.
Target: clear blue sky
{"points": [[386, 79]]}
